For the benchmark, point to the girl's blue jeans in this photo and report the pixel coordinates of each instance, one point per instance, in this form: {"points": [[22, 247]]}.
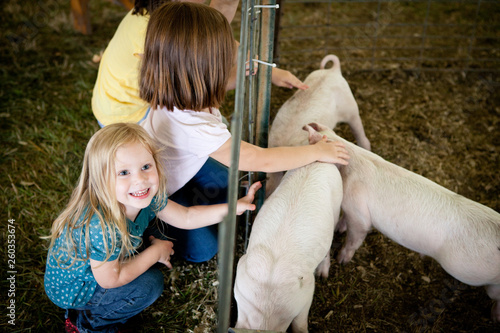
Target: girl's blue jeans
{"points": [[110, 307], [207, 187]]}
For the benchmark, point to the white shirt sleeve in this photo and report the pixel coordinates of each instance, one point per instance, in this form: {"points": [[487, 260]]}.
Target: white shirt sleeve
{"points": [[188, 137], [207, 134]]}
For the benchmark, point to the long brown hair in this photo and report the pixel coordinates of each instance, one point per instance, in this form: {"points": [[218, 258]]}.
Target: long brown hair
{"points": [[188, 55], [95, 194]]}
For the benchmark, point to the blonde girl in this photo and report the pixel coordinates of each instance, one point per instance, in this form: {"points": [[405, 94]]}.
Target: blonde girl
{"points": [[188, 53], [93, 265]]}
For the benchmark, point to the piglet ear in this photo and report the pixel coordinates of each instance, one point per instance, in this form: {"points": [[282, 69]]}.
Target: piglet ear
{"points": [[314, 136], [319, 127]]}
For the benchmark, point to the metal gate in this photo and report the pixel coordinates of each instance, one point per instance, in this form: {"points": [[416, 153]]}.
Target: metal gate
{"points": [[250, 123]]}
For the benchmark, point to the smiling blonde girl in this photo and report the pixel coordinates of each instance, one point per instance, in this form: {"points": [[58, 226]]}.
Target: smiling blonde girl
{"points": [[93, 265]]}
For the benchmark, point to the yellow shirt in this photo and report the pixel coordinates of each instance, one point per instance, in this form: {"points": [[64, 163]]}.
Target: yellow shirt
{"points": [[116, 91]]}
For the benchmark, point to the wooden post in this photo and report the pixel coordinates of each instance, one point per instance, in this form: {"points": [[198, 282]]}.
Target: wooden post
{"points": [[81, 16]]}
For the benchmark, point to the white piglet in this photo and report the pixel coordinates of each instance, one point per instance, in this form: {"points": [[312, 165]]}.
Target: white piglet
{"points": [[462, 235], [328, 100], [290, 239]]}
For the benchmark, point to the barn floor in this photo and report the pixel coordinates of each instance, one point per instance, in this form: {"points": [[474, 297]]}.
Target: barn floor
{"points": [[442, 126], [440, 123]]}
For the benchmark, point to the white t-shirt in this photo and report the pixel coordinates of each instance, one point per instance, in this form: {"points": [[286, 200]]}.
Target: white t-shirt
{"points": [[188, 137]]}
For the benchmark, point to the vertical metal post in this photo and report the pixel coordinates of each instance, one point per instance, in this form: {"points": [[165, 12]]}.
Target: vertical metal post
{"points": [[252, 41], [264, 84], [227, 228], [256, 102], [277, 20]]}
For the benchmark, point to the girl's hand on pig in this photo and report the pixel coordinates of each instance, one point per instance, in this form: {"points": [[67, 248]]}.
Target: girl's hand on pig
{"points": [[332, 151], [283, 78], [245, 203]]}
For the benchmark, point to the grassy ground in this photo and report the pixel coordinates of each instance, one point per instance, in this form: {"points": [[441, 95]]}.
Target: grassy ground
{"points": [[47, 80], [47, 76]]}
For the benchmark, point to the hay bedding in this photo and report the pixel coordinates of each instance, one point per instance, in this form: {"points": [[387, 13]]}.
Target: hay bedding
{"points": [[441, 125], [444, 127]]}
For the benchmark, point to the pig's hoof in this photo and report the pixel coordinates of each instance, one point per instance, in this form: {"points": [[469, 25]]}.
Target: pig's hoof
{"points": [[344, 256], [365, 143], [341, 226], [323, 269]]}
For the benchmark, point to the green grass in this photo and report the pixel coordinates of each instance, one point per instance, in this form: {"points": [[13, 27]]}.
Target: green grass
{"points": [[47, 77]]}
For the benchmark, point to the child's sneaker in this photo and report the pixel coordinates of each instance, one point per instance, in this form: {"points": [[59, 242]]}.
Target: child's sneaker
{"points": [[69, 326]]}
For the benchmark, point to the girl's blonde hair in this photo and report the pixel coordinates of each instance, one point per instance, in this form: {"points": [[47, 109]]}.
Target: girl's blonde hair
{"points": [[95, 194], [188, 55]]}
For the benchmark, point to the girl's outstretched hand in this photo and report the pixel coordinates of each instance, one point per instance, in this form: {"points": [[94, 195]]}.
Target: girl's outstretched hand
{"points": [[245, 203], [165, 249], [283, 78], [332, 151]]}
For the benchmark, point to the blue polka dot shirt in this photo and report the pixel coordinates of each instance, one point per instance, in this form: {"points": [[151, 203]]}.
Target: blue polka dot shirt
{"points": [[73, 286]]}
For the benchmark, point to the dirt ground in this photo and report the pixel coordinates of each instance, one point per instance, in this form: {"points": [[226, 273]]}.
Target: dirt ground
{"points": [[446, 128], [441, 125]]}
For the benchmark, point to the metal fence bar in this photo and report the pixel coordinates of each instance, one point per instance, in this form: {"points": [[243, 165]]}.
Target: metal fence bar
{"points": [[266, 50], [227, 228], [252, 99]]}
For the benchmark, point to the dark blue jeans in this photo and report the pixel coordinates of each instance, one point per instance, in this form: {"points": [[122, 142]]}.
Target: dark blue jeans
{"points": [[110, 307], [207, 187]]}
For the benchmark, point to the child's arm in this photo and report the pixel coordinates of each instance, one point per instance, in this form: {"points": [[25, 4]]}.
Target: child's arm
{"points": [[114, 274], [254, 158], [279, 77], [286, 79], [201, 216], [226, 7]]}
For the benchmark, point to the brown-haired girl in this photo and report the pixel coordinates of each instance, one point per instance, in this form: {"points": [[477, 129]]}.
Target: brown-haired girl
{"points": [[188, 54], [115, 96]]}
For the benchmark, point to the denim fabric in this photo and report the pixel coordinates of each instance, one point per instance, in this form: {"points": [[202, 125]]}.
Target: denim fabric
{"points": [[207, 187], [110, 307]]}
